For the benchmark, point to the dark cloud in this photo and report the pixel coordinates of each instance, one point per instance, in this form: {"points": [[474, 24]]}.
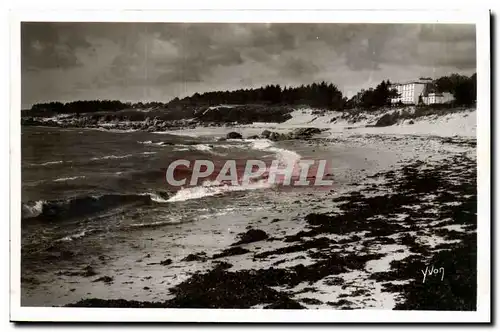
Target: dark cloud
{"points": [[297, 67], [436, 46], [447, 32], [50, 45], [164, 55]]}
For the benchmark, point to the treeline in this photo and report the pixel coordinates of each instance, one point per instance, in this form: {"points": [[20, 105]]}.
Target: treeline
{"points": [[318, 95], [90, 106], [373, 98], [80, 106], [321, 95], [463, 88]]}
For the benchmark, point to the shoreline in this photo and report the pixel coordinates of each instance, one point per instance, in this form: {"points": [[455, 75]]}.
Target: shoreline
{"points": [[282, 242], [344, 268], [407, 121]]}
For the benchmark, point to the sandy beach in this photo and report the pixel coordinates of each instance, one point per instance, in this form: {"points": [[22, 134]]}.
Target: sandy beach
{"points": [[363, 244]]}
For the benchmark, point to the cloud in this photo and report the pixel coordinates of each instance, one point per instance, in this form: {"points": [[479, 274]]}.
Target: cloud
{"points": [[432, 46], [297, 67], [50, 45], [447, 33], [174, 57]]}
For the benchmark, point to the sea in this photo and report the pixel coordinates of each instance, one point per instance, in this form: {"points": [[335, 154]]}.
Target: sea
{"points": [[81, 187]]}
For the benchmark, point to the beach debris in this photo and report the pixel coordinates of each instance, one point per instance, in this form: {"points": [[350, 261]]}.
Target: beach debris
{"points": [[252, 235]]}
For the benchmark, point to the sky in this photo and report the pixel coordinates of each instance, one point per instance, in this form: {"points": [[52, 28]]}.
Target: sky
{"points": [[68, 61]]}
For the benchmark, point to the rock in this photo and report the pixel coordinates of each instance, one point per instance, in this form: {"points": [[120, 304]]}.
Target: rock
{"points": [[411, 122], [387, 120], [234, 135], [302, 133], [274, 136], [265, 134], [253, 137], [167, 261], [253, 235]]}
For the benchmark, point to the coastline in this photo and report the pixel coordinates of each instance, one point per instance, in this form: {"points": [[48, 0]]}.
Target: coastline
{"points": [[287, 251]]}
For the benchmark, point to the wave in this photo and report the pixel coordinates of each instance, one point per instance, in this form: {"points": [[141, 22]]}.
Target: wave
{"points": [[284, 157], [112, 157], [202, 147], [32, 209], [176, 133], [69, 178], [79, 206], [185, 147], [214, 188], [159, 143], [198, 147], [158, 198], [75, 236], [153, 224], [49, 163], [113, 130]]}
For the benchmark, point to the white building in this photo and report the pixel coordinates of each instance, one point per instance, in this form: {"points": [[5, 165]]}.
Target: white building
{"points": [[420, 91], [437, 98], [409, 92]]}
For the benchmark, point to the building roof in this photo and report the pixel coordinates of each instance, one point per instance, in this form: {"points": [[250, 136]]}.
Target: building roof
{"points": [[411, 82]]}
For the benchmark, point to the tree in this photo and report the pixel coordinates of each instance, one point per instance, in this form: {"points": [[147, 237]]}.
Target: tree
{"points": [[462, 87], [378, 97]]}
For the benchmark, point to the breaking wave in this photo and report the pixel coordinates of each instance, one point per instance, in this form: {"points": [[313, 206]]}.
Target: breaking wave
{"points": [[159, 143], [214, 188], [69, 178], [284, 156], [76, 236], [112, 157], [158, 198], [48, 163], [84, 205], [153, 224]]}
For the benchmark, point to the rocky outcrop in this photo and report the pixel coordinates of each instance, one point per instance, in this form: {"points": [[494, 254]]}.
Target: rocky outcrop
{"points": [[265, 134], [387, 120], [299, 133], [234, 135]]}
